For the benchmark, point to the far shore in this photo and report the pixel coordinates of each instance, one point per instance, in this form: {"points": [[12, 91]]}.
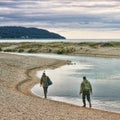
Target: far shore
{"points": [[18, 103], [102, 49]]}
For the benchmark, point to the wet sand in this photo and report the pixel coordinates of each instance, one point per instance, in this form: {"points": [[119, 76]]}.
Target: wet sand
{"points": [[17, 76]]}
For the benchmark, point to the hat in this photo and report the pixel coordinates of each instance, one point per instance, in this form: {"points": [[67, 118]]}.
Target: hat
{"points": [[84, 78]]}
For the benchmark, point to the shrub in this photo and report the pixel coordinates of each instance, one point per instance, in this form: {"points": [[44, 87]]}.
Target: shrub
{"points": [[107, 45], [20, 50], [32, 51], [10, 50], [0, 49], [60, 51]]}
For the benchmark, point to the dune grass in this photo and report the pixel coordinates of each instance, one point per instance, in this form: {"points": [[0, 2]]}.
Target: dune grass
{"points": [[53, 47]]}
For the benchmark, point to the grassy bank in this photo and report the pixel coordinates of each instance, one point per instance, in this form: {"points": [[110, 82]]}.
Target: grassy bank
{"points": [[57, 47]]}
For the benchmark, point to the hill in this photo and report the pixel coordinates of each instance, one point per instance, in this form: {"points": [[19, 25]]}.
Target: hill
{"points": [[15, 32]]}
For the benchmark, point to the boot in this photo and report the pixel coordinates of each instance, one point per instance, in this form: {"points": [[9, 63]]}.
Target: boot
{"points": [[90, 105]]}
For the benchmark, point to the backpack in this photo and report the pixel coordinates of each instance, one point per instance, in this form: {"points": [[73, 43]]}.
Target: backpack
{"points": [[49, 82], [86, 86]]}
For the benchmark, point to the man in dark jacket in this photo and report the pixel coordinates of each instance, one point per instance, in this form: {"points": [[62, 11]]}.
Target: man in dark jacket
{"points": [[86, 90], [44, 82]]}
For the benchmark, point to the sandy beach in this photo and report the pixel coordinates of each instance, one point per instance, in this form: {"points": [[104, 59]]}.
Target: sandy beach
{"points": [[17, 76]]}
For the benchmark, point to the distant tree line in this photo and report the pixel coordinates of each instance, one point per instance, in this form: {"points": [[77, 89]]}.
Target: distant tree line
{"points": [[15, 32]]}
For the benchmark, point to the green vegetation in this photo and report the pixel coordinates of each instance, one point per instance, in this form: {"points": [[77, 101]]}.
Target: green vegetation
{"points": [[6, 44], [9, 50], [55, 47], [8, 32]]}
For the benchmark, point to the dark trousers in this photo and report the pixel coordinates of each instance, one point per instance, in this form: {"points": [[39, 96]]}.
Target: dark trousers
{"points": [[84, 95], [45, 91]]}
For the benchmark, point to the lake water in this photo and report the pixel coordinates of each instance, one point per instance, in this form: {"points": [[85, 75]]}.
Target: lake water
{"points": [[103, 73], [58, 40]]}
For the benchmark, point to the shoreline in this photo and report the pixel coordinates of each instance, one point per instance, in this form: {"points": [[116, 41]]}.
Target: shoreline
{"points": [[24, 86], [31, 73], [33, 106], [98, 102], [30, 83]]}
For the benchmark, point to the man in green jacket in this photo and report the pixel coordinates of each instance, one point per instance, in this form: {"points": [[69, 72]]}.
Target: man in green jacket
{"points": [[86, 90], [44, 82]]}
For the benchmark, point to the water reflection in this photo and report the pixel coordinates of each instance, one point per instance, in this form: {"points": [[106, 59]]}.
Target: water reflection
{"points": [[103, 74]]}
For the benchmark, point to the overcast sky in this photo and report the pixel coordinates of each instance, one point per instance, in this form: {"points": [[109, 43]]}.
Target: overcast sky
{"points": [[70, 18]]}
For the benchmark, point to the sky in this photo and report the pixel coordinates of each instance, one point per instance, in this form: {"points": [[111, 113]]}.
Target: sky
{"points": [[74, 19]]}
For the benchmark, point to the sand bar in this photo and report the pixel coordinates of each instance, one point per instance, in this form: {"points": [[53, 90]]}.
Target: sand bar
{"points": [[17, 75]]}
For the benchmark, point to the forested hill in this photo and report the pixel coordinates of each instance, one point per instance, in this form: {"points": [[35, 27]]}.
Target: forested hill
{"points": [[14, 32]]}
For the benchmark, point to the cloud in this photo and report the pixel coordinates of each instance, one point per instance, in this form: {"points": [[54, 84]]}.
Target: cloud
{"points": [[79, 14]]}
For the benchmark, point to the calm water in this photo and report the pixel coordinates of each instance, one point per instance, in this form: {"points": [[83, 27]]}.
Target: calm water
{"points": [[103, 73], [58, 40]]}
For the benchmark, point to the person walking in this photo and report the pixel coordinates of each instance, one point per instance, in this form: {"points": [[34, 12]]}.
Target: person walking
{"points": [[86, 90], [45, 82]]}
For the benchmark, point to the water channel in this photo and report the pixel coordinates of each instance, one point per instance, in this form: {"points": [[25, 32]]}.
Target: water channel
{"points": [[103, 73]]}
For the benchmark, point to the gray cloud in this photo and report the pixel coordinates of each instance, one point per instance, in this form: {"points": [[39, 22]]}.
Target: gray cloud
{"points": [[66, 13]]}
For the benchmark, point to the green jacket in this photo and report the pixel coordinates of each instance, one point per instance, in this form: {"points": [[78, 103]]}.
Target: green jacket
{"points": [[85, 86], [44, 81]]}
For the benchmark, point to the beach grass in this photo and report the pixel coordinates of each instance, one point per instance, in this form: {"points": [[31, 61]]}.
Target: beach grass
{"points": [[57, 47]]}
